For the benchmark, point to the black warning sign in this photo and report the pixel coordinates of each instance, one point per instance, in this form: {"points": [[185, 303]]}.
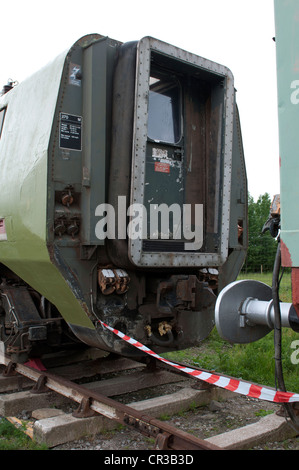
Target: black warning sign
{"points": [[70, 132]]}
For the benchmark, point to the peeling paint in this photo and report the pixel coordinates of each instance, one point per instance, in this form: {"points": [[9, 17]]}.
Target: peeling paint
{"points": [[286, 260]]}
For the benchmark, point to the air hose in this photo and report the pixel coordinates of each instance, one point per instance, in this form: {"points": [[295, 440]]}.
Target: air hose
{"points": [[277, 336]]}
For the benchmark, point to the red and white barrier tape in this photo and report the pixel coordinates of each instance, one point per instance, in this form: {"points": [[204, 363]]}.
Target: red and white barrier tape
{"points": [[233, 385]]}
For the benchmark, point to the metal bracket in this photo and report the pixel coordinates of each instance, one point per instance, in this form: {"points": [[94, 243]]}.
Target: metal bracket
{"points": [[9, 370], [40, 386], [84, 410], [162, 441]]}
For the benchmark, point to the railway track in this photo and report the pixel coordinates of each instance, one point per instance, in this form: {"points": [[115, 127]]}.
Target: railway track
{"points": [[100, 388], [92, 398]]}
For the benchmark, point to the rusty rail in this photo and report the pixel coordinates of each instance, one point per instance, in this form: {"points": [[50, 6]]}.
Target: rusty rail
{"points": [[90, 403]]}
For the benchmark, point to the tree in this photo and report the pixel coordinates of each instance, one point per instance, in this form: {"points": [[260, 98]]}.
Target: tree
{"points": [[261, 246]]}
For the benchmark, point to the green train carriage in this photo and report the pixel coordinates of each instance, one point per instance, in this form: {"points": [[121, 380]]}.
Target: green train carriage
{"points": [[123, 199]]}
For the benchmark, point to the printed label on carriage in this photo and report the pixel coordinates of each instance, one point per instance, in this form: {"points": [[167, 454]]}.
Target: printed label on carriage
{"points": [[70, 135], [162, 167]]}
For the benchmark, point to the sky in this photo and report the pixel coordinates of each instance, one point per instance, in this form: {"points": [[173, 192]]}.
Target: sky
{"points": [[234, 33]]}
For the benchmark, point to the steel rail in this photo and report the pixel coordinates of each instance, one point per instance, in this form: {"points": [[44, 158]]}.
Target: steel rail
{"points": [[90, 402]]}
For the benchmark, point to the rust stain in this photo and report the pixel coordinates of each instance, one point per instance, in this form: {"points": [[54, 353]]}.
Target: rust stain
{"points": [[295, 289], [286, 260]]}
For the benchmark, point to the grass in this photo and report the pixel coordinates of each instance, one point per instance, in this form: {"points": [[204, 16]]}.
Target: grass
{"points": [[253, 362], [285, 287], [12, 438]]}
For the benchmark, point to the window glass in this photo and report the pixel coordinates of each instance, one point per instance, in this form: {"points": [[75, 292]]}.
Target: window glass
{"points": [[2, 114], [164, 110]]}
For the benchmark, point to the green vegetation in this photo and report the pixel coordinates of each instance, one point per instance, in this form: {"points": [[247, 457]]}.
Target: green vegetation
{"points": [[253, 362], [261, 246], [285, 286], [12, 438]]}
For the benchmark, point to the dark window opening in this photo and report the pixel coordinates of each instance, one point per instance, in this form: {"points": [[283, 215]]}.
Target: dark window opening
{"points": [[164, 114]]}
